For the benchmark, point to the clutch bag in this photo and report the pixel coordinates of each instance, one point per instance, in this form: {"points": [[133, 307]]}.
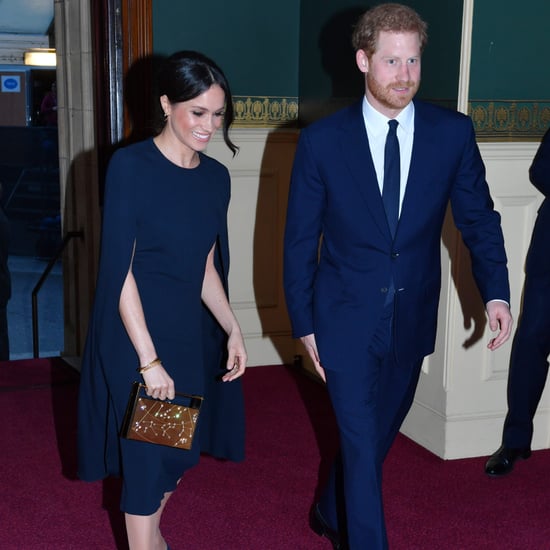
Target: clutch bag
{"points": [[171, 423]]}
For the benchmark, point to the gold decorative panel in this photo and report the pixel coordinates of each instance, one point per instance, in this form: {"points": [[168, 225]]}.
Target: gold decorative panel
{"points": [[510, 120], [265, 112]]}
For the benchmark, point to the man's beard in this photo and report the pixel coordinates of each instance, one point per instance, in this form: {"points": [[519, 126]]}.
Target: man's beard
{"points": [[385, 95]]}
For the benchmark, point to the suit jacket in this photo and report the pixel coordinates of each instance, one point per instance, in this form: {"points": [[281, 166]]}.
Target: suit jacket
{"points": [[338, 290], [538, 259]]}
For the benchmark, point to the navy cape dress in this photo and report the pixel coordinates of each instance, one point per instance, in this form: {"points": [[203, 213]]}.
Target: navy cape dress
{"points": [[172, 216]]}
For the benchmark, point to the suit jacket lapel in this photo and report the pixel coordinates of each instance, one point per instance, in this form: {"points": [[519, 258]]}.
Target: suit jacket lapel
{"points": [[354, 145]]}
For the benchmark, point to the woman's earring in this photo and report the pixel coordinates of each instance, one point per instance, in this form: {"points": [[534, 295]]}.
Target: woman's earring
{"points": [[165, 117]]}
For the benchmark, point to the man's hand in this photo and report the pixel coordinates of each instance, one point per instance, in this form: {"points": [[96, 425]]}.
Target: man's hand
{"points": [[499, 318], [311, 347]]}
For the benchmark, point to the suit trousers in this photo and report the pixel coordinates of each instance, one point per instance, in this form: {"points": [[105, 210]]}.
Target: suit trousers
{"points": [[528, 362], [370, 404]]}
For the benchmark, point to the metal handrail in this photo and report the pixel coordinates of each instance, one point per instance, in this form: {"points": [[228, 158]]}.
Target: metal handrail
{"points": [[70, 235]]}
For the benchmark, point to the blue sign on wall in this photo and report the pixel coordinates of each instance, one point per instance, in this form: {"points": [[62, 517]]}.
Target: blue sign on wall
{"points": [[11, 83]]}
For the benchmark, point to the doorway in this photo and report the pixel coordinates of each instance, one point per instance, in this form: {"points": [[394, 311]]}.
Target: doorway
{"points": [[30, 183]]}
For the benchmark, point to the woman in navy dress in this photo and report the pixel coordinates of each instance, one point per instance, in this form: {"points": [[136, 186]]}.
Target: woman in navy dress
{"points": [[161, 304]]}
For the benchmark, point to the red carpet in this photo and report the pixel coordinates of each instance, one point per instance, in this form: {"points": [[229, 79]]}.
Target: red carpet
{"points": [[260, 504]]}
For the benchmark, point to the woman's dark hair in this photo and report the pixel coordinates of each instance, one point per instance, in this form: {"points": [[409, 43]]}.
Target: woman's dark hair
{"points": [[187, 74]]}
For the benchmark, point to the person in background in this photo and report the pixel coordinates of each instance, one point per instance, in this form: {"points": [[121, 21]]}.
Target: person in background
{"points": [[529, 357], [5, 283], [368, 195], [161, 306], [48, 107]]}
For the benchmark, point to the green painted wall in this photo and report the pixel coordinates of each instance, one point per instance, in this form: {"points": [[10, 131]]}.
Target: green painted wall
{"points": [[441, 59], [299, 49], [510, 45], [278, 53], [509, 77], [327, 59], [255, 43]]}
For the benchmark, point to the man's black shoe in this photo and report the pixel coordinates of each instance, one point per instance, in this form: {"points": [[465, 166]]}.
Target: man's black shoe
{"points": [[502, 461], [322, 528]]}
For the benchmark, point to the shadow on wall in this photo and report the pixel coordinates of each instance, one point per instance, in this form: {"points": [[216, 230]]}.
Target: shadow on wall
{"points": [[471, 303], [338, 55], [269, 229], [337, 59], [141, 98]]}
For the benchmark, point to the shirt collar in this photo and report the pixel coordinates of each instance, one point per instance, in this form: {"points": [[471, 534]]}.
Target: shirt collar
{"points": [[377, 123]]}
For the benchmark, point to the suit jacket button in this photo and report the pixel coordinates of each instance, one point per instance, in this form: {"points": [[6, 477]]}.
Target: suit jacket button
{"points": [[394, 255], [384, 289]]}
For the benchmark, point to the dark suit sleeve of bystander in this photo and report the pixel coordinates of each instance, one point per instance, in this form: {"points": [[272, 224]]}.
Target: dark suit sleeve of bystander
{"points": [[540, 169]]}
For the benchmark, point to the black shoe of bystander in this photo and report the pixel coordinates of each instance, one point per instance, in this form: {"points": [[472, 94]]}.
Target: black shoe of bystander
{"points": [[502, 461]]}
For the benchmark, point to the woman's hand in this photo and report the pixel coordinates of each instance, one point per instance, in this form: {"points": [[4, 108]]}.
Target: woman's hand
{"points": [[214, 296], [236, 356], [159, 384]]}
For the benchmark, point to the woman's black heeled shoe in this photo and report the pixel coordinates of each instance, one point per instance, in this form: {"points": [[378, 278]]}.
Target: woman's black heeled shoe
{"points": [[320, 527]]}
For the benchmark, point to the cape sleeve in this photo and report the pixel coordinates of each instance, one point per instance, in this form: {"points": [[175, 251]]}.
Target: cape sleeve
{"points": [[117, 240], [222, 416]]}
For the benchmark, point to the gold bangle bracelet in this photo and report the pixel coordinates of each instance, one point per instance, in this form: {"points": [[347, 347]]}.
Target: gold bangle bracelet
{"points": [[156, 361]]}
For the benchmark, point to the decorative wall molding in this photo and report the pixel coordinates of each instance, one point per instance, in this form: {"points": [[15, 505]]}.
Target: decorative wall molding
{"points": [[510, 120], [265, 112], [506, 120]]}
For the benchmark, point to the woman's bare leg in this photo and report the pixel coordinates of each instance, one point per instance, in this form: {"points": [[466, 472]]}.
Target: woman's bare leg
{"points": [[144, 531]]}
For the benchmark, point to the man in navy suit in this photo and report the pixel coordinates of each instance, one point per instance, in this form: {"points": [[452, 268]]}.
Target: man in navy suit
{"points": [[363, 288], [529, 358]]}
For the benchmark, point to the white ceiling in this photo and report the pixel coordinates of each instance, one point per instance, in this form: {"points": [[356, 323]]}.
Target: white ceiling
{"points": [[26, 16]]}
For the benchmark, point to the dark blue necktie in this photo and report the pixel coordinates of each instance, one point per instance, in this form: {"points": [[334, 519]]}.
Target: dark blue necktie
{"points": [[392, 176]]}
